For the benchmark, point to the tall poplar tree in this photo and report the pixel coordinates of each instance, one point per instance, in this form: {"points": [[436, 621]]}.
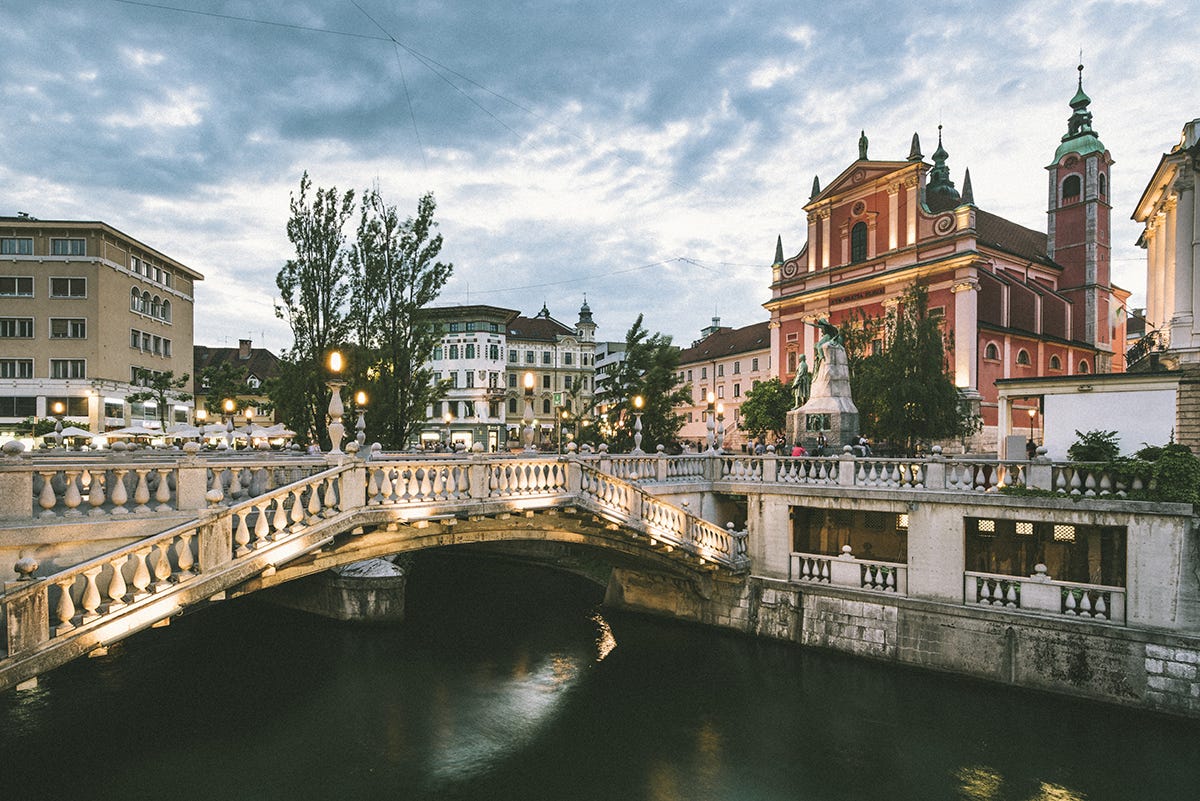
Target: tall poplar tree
{"points": [[650, 369], [313, 289], [394, 275]]}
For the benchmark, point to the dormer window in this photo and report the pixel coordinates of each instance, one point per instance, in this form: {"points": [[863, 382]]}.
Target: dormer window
{"points": [[858, 242]]}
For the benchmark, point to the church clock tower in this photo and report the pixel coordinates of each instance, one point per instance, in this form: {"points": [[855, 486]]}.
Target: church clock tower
{"points": [[1078, 229]]}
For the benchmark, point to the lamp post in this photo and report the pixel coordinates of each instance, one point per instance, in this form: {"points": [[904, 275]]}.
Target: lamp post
{"points": [[1032, 420], [337, 431], [58, 409], [528, 417], [447, 419], [561, 425], [710, 417], [638, 403], [229, 407], [720, 427], [360, 401]]}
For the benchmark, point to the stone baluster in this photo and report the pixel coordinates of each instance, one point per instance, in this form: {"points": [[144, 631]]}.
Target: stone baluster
{"points": [[279, 520], [262, 529], [163, 493], [119, 494], [162, 566], [333, 491], [1070, 606], [96, 493], [71, 494], [297, 514], [314, 499], [215, 494], [141, 574], [235, 483], [90, 601], [141, 493], [183, 556], [65, 609], [116, 585], [47, 499]]}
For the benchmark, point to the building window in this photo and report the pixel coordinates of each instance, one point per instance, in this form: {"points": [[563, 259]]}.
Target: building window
{"points": [[737, 390], [720, 370], [512, 405], [453, 378], [67, 247], [991, 352], [437, 353], [68, 287], [454, 352], [16, 246], [703, 373], [546, 357], [469, 349], [568, 358], [1023, 357], [545, 406], [494, 353], [166, 310], [16, 368], [16, 286], [470, 379], [1071, 189], [791, 361], [512, 356], [67, 368], [1103, 186], [512, 380], [754, 365], [529, 359], [737, 368], [16, 328], [113, 408], [858, 242], [471, 326], [567, 382], [455, 328], [68, 328], [1055, 363], [546, 381], [1083, 366], [689, 376], [721, 391]]}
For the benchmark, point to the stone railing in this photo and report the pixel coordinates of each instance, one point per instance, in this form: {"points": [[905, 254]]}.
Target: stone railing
{"points": [[847, 571], [1041, 594]]}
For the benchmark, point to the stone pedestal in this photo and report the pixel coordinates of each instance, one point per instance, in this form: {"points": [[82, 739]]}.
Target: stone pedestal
{"points": [[829, 409]]}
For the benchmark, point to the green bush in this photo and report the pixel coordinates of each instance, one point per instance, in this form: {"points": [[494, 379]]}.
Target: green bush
{"points": [[1094, 446], [1149, 453], [1177, 475]]}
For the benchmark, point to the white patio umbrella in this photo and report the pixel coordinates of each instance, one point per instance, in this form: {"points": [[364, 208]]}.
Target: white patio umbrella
{"points": [[213, 430], [184, 431], [76, 431], [133, 431]]}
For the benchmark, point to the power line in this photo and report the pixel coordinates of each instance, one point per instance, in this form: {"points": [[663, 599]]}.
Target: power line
{"points": [[236, 18]]}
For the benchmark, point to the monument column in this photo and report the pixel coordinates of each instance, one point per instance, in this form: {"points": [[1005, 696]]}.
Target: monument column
{"points": [[1184, 309]]}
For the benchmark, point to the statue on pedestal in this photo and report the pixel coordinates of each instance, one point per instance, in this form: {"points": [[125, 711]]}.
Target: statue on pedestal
{"points": [[830, 335], [802, 383]]}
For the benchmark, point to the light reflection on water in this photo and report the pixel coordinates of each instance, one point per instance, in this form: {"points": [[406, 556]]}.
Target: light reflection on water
{"points": [[508, 684]]}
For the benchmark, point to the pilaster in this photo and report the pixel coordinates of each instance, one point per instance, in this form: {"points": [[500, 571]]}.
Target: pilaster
{"points": [[966, 333]]}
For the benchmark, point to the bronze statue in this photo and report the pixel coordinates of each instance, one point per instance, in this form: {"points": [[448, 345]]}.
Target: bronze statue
{"points": [[802, 383], [830, 335]]}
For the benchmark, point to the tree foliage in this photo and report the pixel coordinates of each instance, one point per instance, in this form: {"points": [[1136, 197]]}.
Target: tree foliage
{"points": [[764, 411], [649, 370], [313, 289], [394, 274], [1094, 446], [904, 392], [220, 381], [162, 388]]}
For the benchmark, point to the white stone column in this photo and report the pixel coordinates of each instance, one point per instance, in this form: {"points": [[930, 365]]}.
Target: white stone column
{"points": [[966, 333], [1003, 424], [812, 242], [824, 213], [1166, 251], [910, 199], [893, 191], [1183, 323], [1157, 269]]}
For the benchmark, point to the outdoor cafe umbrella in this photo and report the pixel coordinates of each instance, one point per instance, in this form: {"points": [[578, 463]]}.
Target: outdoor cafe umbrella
{"points": [[184, 432], [133, 431], [76, 431]]}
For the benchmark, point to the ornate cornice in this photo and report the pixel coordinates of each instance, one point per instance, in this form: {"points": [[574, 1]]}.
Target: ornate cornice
{"points": [[965, 285]]}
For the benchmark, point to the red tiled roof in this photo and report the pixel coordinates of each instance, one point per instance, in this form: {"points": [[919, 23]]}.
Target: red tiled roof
{"points": [[727, 342], [262, 363], [545, 329], [1001, 234]]}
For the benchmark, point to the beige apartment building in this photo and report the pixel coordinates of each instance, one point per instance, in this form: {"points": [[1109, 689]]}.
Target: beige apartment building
{"points": [[82, 307], [728, 362]]}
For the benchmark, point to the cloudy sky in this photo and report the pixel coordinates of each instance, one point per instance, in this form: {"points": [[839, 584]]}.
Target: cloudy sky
{"points": [[644, 153]]}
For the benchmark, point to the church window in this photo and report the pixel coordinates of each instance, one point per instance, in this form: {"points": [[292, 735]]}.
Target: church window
{"points": [[1055, 363], [858, 242], [1071, 189], [1083, 366], [546, 406], [512, 405], [1023, 357], [1103, 186], [991, 352]]}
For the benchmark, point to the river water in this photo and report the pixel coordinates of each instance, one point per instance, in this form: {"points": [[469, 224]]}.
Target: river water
{"points": [[508, 682]]}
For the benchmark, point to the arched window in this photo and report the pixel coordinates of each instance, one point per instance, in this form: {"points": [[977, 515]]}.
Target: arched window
{"points": [[156, 306], [1071, 189], [1055, 362], [991, 352], [135, 300], [512, 405], [144, 307], [858, 242], [545, 406], [1083, 366], [1023, 357], [166, 310], [1103, 186]]}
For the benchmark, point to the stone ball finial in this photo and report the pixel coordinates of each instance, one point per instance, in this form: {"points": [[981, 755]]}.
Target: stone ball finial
{"points": [[847, 449], [191, 447], [214, 497], [13, 448], [936, 450], [352, 447], [25, 567], [376, 447], [478, 447], [604, 447], [572, 448], [660, 449], [120, 446]]}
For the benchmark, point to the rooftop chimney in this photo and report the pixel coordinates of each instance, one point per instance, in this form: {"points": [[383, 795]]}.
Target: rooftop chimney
{"points": [[243, 349]]}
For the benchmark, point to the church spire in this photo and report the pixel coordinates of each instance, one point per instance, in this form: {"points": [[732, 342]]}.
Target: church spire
{"points": [[968, 196], [816, 190], [779, 249], [1080, 137], [914, 152], [940, 194]]}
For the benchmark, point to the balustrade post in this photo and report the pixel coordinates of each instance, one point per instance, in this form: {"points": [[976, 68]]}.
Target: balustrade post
{"points": [[214, 543], [28, 616], [846, 467], [191, 483], [660, 465], [352, 492], [477, 477], [1040, 473], [712, 467], [935, 470], [16, 490], [574, 476]]}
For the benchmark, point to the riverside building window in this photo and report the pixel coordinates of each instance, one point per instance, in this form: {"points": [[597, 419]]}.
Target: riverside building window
{"points": [[16, 328]]}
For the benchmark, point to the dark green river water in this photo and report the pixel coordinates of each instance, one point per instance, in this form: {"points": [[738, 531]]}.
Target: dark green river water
{"points": [[509, 682]]}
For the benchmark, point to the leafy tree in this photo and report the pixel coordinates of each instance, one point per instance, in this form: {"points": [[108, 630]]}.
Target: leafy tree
{"points": [[220, 381], [1094, 446], [765, 408], [162, 388], [313, 288], [649, 369], [394, 274], [904, 392]]}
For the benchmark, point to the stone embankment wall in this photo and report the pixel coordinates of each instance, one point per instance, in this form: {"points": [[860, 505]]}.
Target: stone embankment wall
{"points": [[1151, 670]]}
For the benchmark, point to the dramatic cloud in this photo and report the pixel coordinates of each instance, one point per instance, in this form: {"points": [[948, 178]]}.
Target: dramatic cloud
{"points": [[644, 154]]}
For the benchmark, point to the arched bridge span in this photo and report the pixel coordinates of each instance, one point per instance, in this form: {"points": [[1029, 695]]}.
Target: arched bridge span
{"points": [[350, 512]]}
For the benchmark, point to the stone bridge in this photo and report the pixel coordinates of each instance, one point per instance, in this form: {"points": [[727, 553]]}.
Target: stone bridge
{"points": [[346, 513]]}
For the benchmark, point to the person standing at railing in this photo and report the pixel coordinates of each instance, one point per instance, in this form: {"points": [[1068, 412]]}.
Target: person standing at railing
{"points": [[822, 443], [798, 450]]}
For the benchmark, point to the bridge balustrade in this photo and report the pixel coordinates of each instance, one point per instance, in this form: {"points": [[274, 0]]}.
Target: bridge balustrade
{"points": [[846, 570], [1041, 594]]}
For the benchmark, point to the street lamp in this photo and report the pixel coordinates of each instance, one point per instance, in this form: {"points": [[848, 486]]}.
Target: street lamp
{"points": [[528, 418], [448, 418], [337, 431], [229, 408], [561, 425], [720, 427], [710, 417], [58, 409], [638, 403], [360, 401], [1032, 419]]}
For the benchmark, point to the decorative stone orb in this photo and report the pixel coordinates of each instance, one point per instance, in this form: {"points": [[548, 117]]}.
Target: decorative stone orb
{"points": [[120, 446], [13, 448], [25, 567], [847, 449], [937, 450], [191, 447], [572, 448], [660, 448], [352, 447], [477, 447], [214, 496]]}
